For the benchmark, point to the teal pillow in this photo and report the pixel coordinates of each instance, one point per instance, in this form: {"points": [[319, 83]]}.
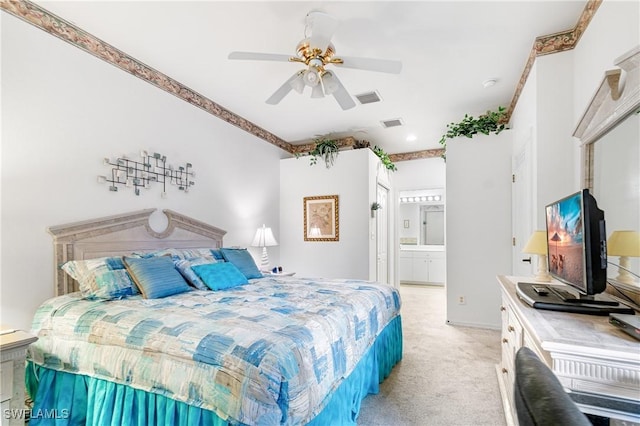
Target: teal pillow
{"points": [[243, 261], [156, 277], [218, 276]]}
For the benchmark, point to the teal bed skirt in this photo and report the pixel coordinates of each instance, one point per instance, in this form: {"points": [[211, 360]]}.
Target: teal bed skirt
{"points": [[62, 398]]}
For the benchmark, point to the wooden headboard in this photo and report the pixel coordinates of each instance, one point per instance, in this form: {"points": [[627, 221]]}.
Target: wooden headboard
{"points": [[124, 234]]}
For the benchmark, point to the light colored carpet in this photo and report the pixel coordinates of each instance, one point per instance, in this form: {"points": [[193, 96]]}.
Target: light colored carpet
{"points": [[447, 373]]}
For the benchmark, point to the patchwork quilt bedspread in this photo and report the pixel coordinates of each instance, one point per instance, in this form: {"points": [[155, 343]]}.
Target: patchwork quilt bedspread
{"points": [[267, 352]]}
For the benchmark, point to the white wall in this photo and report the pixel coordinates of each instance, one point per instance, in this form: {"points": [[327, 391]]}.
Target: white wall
{"points": [[557, 166], [478, 227], [420, 174], [63, 111], [353, 179]]}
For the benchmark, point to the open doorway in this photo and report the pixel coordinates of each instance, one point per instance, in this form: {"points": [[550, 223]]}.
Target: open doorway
{"points": [[421, 226]]}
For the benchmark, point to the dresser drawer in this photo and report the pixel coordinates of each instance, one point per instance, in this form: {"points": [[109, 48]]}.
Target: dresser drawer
{"points": [[6, 380]]}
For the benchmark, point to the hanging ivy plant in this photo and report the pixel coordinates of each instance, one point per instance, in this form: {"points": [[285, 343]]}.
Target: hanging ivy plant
{"points": [[491, 122], [384, 157], [326, 149]]}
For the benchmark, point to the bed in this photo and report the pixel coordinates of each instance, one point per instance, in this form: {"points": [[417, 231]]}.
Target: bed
{"points": [[270, 350]]}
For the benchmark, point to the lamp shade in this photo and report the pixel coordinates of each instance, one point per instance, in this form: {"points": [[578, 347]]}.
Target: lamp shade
{"points": [[264, 238], [624, 243], [537, 243]]}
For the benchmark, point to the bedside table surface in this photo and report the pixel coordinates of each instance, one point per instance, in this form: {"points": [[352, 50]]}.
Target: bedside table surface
{"points": [[15, 339], [278, 274]]}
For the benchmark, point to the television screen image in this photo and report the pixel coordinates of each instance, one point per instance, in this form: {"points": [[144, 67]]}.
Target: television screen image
{"points": [[566, 239], [576, 243]]}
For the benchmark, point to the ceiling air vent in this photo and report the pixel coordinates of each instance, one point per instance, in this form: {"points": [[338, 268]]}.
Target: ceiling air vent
{"points": [[368, 98], [392, 123]]}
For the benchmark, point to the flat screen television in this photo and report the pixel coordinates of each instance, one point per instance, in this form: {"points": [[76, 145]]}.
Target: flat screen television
{"points": [[576, 243]]}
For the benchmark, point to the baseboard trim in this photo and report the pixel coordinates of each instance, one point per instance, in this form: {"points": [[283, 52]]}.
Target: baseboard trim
{"points": [[475, 325]]}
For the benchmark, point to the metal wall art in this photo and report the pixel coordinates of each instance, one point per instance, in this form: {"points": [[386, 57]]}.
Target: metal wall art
{"points": [[141, 174]]}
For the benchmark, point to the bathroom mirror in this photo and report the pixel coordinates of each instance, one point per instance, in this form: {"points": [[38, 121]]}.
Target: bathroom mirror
{"points": [[610, 131], [421, 217]]}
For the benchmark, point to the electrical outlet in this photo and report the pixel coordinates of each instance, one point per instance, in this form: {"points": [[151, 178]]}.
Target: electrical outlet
{"points": [[461, 300]]}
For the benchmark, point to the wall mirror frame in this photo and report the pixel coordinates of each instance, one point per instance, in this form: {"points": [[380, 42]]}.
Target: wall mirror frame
{"points": [[617, 97], [616, 100]]}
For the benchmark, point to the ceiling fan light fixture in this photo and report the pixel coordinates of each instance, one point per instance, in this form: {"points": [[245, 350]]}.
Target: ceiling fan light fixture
{"points": [[317, 91], [316, 52], [311, 77], [329, 82]]}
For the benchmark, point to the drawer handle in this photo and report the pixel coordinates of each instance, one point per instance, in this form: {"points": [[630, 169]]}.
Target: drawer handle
{"points": [[504, 370], [510, 328], [502, 308], [505, 340]]}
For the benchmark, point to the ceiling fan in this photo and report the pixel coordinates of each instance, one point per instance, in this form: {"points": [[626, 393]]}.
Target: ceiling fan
{"points": [[316, 52]]}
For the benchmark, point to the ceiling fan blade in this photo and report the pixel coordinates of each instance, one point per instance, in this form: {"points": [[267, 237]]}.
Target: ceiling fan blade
{"points": [[341, 95], [284, 90], [322, 28], [255, 56], [370, 64]]}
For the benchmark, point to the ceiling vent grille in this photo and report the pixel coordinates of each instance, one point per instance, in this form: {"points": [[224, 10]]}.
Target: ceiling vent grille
{"points": [[368, 98], [395, 122]]}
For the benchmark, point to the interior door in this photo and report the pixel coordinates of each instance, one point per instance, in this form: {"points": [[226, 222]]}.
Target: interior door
{"points": [[382, 235], [521, 209]]}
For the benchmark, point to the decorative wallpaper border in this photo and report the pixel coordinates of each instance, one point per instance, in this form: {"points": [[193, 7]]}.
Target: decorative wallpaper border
{"points": [[56, 26], [554, 43], [417, 155]]}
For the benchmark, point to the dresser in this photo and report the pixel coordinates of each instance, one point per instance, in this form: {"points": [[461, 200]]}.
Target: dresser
{"points": [[597, 364], [13, 350]]}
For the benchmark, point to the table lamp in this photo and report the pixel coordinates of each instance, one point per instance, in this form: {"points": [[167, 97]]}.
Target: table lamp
{"points": [[264, 238], [624, 244], [537, 244]]}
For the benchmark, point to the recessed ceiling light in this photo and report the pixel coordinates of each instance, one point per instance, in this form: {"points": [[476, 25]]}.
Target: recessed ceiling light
{"points": [[490, 82], [411, 138]]}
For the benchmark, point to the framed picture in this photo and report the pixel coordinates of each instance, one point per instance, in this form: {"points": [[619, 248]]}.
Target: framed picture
{"points": [[321, 218]]}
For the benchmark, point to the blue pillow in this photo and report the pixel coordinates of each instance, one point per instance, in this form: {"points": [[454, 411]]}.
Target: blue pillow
{"points": [[243, 261], [217, 255], [185, 266], [218, 276], [156, 277]]}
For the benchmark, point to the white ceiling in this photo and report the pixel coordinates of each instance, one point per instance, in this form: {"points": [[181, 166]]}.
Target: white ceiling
{"points": [[448, 48]]}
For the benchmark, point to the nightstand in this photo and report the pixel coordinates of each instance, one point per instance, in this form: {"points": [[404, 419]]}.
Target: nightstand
{"points": [[13, 351], [278, 274]]}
